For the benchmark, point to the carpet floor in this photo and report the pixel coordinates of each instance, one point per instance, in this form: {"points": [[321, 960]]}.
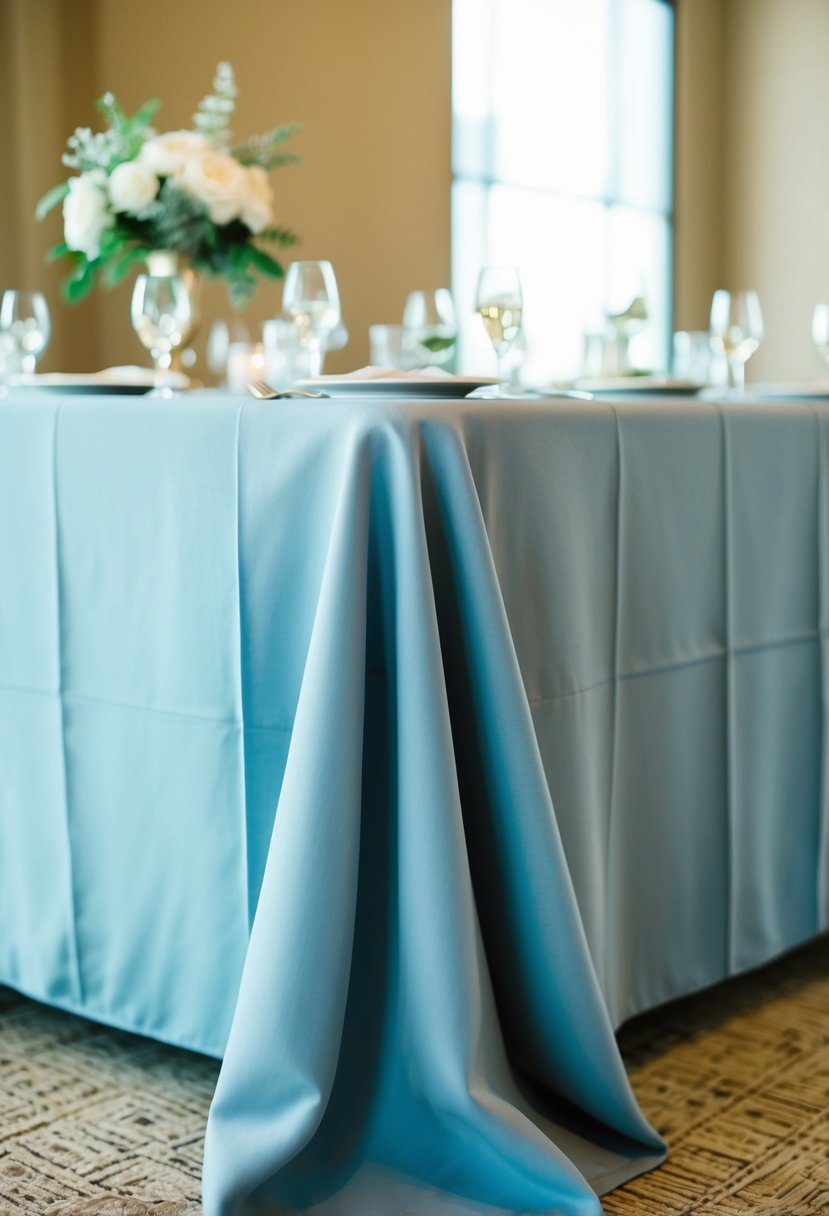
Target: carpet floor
{"points": [[736, 1078]]}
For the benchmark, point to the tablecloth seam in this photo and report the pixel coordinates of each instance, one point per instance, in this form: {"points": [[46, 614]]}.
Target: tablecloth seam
{"points": [[822, 876], [730, 750], [73, 942]]}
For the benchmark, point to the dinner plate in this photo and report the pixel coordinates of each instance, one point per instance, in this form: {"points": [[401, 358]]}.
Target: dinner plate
{"points": [[68, 382], [638, 385], [789, 392], [397, 386]]}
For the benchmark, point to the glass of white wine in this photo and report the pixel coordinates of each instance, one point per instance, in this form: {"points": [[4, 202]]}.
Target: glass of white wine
{"points": [[165, 317], [820, 330], [499, 303], [736, 330], [25, 329], [311, 300], [430, 328]]}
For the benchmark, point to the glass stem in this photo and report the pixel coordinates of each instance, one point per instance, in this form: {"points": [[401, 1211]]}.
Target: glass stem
{"points": [[737, 371], [315, 353]]}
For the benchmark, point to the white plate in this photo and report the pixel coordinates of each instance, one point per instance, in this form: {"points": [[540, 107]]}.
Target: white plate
{"points": [[639, 385], [393, 386], [68, 382], [788, 392]]}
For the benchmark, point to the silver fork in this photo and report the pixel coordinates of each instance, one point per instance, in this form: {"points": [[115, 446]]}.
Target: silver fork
{"points": [[264, 392]]}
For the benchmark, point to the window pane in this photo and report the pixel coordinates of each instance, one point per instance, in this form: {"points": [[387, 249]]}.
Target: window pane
{"points": [[550, 94], [559, 246], [639, 262], [472, 140], [644, 114], [562, 153]]}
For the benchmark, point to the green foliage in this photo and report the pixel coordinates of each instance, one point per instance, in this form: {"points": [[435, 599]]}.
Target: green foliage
{"points": [[172, 220], [214, 112], [51, 199], [264, 149], [130, 133], [279, 236], [176, 221], [436, 344], [80, 282]]}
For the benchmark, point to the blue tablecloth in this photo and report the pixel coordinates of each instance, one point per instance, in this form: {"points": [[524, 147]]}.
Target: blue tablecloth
{"points": [[285, 689]]}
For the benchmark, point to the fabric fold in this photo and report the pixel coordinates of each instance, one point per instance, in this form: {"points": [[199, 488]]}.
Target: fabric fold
{"points": [[282, 1052], [378, 1060]]}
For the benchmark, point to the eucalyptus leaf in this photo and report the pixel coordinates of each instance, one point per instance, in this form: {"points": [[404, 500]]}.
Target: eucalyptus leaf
{"points": [[264, 263], [51, 199]]}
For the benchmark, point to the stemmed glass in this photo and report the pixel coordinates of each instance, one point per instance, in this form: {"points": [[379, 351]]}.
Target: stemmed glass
{"points": [[311, 300], [430, 328], [736, 331], [25, 329], [165, 318], [499, 303], [820, 330]]}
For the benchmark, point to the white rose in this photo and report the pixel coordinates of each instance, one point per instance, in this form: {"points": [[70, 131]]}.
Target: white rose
{"points": [[132, 186], [86, 215], [216, 180], [166, 154], [257, 206]]}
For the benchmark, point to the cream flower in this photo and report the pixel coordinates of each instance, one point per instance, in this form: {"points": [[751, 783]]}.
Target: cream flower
{"points": [[167, 154], [216, 180], [132, 186], [257, 207], [86, 215]]}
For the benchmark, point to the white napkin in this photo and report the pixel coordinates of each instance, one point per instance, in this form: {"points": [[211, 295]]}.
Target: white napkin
{"points": [[388, 373]]}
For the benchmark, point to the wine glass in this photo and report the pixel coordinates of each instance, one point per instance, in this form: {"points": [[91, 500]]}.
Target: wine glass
{"points": [[165, 317], [820, 330], [25, 329], [223, 334], [430, 328], [311, 300], [499, 303], [736, 331]]}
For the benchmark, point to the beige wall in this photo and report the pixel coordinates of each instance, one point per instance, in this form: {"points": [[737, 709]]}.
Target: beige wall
{"points": [[752, 168], [777, 172], [699, 159], [46, 54]]}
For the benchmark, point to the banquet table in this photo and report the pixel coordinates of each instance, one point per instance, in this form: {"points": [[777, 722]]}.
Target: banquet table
{"points": [[396, 752]]}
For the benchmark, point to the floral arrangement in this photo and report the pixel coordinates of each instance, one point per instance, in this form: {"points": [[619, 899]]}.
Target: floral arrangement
{"points": [[193, 192]]}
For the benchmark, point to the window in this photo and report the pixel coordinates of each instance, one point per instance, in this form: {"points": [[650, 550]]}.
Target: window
{"points": [[562, 166]]}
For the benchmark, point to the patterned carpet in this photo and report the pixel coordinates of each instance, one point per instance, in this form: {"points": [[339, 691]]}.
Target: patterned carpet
{"points": [[737, 1079], [86, 1111]]}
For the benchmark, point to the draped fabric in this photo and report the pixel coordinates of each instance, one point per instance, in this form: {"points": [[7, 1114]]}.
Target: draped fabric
{"points": [[397, 752]]}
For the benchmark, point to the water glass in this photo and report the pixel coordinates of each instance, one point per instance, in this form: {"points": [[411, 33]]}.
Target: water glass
{"points": [[430, 328], [245, 362], [165, 317], [223, 334], [693, 357], [285, 358], [25, 329], [386, 347], [311, 300], [736, 331]]}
